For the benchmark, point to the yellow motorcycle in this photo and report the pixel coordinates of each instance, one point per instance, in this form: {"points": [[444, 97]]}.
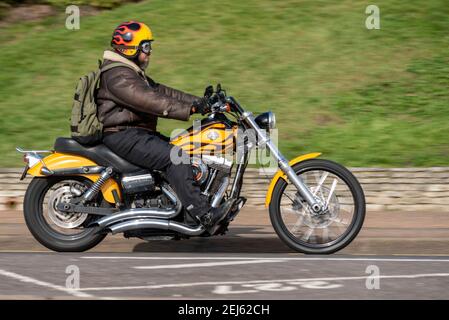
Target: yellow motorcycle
{"points": [[79, 193]]}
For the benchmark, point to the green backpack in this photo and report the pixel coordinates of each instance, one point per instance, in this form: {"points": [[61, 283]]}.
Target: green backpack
{"points": [[85, 126]]}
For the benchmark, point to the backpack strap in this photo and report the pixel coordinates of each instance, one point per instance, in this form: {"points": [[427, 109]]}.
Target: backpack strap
{"points": [[114, 65], [105, 68]]}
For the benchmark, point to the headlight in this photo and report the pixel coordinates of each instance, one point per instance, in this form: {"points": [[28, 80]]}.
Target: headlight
{"points": [[266, 120]]}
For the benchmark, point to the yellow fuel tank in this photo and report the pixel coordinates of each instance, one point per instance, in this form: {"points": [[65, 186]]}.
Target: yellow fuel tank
{"points": [[211, 138]]}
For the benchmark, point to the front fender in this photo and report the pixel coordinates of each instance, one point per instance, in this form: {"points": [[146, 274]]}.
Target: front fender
{"points": [[65, 161], [280, 175]]}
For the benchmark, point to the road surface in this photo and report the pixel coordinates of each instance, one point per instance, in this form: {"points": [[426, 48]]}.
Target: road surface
{"points": [[396, 256]]}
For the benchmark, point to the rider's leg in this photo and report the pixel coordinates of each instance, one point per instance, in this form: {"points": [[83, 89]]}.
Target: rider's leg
{"points": [[152, 151]]}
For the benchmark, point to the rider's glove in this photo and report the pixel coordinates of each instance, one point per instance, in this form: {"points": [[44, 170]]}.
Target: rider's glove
{"points": [[200, 106]]}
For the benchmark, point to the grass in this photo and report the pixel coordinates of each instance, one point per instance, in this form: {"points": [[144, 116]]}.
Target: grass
{"points": [[362, 97]]}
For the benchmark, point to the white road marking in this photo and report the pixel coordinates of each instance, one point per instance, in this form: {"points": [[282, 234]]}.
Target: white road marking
{"points": [[276, 287], [229, 290], [74, 292], [206, 264], [25, 251], [269, 258], [217, 283]]}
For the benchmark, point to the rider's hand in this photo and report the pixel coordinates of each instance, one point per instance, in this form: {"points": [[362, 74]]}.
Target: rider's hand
{"points": [[200, 106]]}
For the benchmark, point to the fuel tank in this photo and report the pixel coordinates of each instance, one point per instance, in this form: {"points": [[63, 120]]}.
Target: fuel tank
{"points": [[209, 137]]}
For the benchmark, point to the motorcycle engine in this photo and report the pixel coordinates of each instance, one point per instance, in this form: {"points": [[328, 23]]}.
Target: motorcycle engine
{"points": [[137, 182], [200, 171], [208, 172], [141, 190]]}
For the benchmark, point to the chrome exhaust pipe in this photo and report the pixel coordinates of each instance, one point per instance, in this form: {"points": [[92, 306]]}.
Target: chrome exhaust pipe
{"points": [[144, 213], [220, 193], [140, 213], [155, 224]]}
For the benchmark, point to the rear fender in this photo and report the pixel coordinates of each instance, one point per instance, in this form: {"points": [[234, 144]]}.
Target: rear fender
{"points": [[57, 161]]}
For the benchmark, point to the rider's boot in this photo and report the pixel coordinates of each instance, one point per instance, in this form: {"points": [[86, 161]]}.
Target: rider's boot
{"points": [[215, 215]]}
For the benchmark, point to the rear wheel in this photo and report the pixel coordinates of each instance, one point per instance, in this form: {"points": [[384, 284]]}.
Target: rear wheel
{"points": [[56, 230], [333, 229]]}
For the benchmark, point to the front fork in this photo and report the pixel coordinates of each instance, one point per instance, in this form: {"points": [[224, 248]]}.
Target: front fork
{"points": [[264, 141], [303, 190]]}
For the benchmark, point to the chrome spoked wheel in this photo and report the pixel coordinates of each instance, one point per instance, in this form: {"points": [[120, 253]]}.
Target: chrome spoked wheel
{"points": [[57, 230], [63, 192], [337, 190], [326, 226]]}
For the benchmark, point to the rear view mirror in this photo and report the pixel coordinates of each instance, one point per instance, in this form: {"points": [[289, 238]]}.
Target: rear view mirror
{"points": [[208, 92]]}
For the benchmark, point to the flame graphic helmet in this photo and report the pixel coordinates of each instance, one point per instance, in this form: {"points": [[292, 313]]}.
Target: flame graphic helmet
{"points": [[128, 37]]}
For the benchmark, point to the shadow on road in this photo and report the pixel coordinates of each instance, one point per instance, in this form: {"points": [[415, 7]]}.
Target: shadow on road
{"points": [[235, 241]]}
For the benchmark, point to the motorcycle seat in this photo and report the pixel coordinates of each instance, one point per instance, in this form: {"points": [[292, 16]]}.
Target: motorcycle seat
{"points": [[100, 154]]}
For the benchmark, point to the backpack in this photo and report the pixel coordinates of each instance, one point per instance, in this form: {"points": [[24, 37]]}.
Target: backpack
{"points": [[85, 126]]}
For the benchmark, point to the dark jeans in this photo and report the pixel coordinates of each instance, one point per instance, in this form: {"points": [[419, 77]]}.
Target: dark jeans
{"points": [[152, 150]]}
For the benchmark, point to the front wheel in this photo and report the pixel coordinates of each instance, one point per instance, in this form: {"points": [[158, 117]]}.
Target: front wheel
{"points": [[329, 231]]}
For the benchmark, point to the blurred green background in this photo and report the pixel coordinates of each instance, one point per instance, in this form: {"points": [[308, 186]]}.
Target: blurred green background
{"points": [[362, 97]]}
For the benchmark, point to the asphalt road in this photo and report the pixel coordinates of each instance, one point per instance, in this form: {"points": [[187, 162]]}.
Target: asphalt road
{"points": [[396, 256], [221, 276]]}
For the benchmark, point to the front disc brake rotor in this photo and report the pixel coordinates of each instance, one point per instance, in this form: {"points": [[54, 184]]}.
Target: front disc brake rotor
{"points": [[322, 220]]}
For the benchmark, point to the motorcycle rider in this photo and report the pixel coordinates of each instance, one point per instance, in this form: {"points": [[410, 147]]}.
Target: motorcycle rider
{"points": [[129, 104]]}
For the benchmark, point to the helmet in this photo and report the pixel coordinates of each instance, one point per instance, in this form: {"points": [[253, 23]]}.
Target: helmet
{"points": [[129, 36]]}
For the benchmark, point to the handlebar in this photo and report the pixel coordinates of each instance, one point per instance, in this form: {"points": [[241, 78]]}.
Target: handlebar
{"points": [[220, 102], [220, 107]]}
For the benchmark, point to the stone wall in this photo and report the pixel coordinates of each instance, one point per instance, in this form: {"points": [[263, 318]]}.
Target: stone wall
{"points": [[392, 189]]}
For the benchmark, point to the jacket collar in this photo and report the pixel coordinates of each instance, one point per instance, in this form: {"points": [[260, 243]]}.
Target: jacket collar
{"points": [[113, 56]]}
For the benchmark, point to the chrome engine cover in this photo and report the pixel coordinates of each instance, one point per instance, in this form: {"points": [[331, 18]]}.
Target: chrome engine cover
{"points": [[200, 170], [219, 163], [203, 166], [137, 182]]}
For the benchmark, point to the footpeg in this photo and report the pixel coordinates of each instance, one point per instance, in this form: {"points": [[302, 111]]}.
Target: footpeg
{"points": [[206, 220]]}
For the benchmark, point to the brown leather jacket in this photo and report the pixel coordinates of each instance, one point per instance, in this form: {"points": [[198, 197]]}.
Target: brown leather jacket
{"points": [[127, 97]]}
